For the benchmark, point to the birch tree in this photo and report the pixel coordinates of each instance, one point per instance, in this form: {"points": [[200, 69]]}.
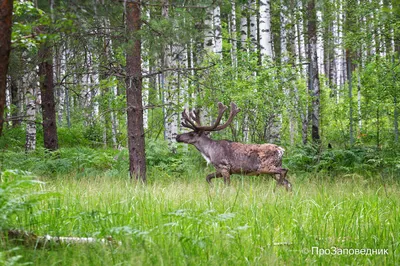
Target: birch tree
{"points": [[253, 25], [314, 86], [243, 28], [30, 82], [233, 34], [217, 30], [265, 31]]}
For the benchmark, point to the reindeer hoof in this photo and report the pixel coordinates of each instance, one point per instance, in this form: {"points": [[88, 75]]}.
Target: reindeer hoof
{"points": [[287, 185]]}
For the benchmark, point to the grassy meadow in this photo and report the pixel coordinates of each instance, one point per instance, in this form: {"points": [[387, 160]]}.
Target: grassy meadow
{"points": [[183, 221]]}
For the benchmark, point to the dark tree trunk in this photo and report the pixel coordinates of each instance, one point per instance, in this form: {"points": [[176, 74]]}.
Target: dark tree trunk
{"points": [[6, 8], [314, 86], [47, 94], [15, 103], [136, 141]]}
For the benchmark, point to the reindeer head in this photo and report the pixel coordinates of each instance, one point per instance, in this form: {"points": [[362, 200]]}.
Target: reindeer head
{"points": [[192, 121]]}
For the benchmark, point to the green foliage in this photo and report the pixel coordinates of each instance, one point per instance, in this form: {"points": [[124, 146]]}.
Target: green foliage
{"points": [[332, 162], [94, 133], [12, 137], [160, 158], [83, 161], [72, 137], [11, 260], [15, 195]]}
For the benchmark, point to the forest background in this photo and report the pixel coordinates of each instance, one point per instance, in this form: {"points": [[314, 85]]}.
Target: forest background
{"points": [[95, 90]]}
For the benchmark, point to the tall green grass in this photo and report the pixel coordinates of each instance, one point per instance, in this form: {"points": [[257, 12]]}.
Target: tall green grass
{"points": [[183, 221]]}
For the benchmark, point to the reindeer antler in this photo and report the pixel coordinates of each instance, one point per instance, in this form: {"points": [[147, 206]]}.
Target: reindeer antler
{"points": [[192, 120]]}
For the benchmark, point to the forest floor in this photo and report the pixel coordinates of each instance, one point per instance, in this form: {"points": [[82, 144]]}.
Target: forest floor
{"points": [[350, 220]]}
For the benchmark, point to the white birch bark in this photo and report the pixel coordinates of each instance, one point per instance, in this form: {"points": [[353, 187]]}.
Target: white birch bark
{"points": [[284, 22], [61, 69], [243, 29], [209, 42], [320, 46], [292, 48], [253, 25], [30, 84], [300, 38], [172, 53], [391, 33], [8, 93], [233, 34], [265, 31], [380, 27], [172, 86], [371, 28], [339, 54], [217, 30]]}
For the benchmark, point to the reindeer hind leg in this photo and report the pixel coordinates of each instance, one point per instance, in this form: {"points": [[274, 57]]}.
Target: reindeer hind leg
{"points": [[213, 175], [227, 177]]}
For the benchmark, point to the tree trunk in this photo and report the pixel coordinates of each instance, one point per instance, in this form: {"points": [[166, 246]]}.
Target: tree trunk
{"points": [[68, 107], [6, 8], [15, 102], [265, 31], [253, 25], [359, 101], [47, 96], [30, 141], [314, 87], [243, 29], [217, 30], [283, 26], [114, 120], [300, 37], [320, 47], [170, 89], [350, 85], [136, 140], [233, 34], [209, 42], [350, 23], [338, 51]]}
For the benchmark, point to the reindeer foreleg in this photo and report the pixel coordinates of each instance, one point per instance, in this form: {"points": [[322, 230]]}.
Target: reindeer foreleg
{"points": [[283, 181], [280, 177]]}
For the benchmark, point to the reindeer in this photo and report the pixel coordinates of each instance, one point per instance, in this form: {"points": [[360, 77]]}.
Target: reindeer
{"points": [[232, 157]]}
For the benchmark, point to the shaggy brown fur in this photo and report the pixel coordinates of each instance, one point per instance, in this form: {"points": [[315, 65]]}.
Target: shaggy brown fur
{"points": [[237, 158]]}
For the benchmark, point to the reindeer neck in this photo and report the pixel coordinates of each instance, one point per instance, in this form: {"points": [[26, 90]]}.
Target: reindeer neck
{"points": [[205, 145]]}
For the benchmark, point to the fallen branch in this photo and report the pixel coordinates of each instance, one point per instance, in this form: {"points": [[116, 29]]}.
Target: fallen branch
{"points": [[30, 239]]}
